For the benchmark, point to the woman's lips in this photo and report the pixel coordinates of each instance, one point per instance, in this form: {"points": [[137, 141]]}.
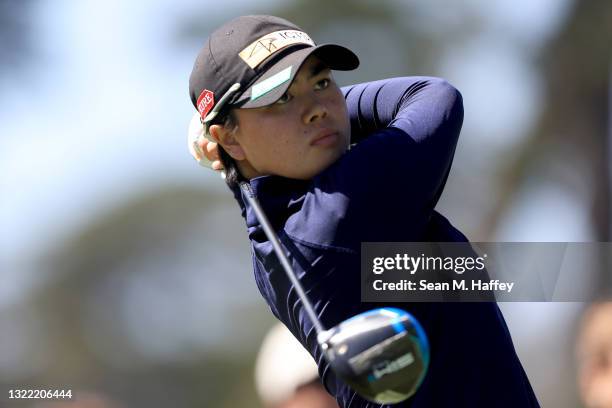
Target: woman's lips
{"points": [[325, 138]]}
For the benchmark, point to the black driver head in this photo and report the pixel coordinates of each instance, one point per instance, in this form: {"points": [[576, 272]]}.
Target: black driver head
{"points": [[383, 354]]}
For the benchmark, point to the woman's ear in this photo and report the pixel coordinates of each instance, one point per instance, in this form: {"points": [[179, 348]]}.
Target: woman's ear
{"points": [[228, 141]]}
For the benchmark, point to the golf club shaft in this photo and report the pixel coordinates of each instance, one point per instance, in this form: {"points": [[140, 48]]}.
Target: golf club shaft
{"points": [[263, 220]]}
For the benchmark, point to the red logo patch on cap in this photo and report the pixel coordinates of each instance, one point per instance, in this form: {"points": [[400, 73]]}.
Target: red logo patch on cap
{"points": [[205, 102]]}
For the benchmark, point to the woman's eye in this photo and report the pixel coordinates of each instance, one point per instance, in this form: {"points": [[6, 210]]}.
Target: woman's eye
{"points": [[284, 99], [323, 83]]}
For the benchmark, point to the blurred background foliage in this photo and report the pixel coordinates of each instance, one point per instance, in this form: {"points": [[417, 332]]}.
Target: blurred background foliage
{"points": [[125, 267]]}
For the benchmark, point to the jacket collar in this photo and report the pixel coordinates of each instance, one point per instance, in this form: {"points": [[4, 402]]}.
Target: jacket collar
{"points": [[279, 198]]}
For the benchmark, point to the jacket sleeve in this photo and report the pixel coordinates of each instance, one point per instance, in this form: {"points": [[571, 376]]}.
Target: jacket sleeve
{"points": [[376, 105], [386, 186]]}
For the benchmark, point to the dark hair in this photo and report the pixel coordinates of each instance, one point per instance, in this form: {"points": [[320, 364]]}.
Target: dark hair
{"points": [[232, 176]]}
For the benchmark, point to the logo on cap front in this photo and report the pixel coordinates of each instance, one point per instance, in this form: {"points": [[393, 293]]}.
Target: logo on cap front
{"points": [[269, 44], [205, 102]]}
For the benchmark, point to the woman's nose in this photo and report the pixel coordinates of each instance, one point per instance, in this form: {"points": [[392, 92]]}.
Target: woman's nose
{"points": [[315, 109]]}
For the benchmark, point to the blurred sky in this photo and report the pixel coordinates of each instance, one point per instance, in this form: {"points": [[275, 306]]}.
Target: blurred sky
{"points": [[100, 114]]}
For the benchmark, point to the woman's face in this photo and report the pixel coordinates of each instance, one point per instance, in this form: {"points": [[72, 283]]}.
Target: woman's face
{"points": [[301, 134]]}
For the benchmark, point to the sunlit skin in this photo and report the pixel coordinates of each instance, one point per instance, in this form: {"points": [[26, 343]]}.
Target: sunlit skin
{"points": [[298, 136], [594, 353]]}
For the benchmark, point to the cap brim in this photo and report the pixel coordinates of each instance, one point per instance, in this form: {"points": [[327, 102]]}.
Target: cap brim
{"points": [[277, 79]]}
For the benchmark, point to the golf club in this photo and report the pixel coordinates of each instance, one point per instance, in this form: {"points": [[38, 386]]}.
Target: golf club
{"points": [[383, 354]]}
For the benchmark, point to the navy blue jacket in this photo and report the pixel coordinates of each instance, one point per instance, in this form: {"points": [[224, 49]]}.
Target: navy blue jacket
{"points": [[384, 189]]}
